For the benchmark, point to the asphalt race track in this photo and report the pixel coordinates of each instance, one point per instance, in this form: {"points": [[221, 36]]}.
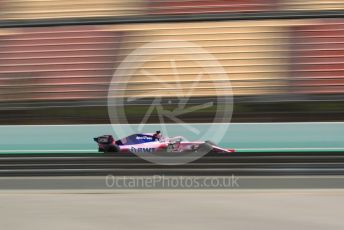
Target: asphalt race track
{"points": [[241, 164]]}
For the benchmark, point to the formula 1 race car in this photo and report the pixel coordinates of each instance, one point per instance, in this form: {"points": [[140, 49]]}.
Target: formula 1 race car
{"points": [[153, 142]]}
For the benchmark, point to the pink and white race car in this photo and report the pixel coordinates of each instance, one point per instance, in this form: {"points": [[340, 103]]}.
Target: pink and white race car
{"points": [[154, 142]]}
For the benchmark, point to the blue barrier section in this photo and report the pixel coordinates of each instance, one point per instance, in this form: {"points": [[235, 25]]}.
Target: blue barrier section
{"points": [[244, 137]]}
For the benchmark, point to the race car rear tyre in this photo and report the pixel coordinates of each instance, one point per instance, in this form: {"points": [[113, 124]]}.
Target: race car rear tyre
{"points": [[101, 150], [112, 149]]}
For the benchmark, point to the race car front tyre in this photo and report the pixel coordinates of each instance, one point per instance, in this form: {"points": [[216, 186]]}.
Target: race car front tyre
{"points": [[204, 148], [210, 142]]}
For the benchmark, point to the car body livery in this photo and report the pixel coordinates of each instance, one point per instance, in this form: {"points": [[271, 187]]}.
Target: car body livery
{"points": [[149, 143]]}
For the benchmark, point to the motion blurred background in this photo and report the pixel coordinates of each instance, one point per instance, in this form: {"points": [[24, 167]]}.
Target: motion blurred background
{"points": [[285, 58]]}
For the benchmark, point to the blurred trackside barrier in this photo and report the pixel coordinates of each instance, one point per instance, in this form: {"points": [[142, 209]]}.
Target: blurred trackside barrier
{"points": [[273, 57], [261, 137], [209, 6], [311, 4], [56, 9], [317, 66], [68, 63], [57, 63]]}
